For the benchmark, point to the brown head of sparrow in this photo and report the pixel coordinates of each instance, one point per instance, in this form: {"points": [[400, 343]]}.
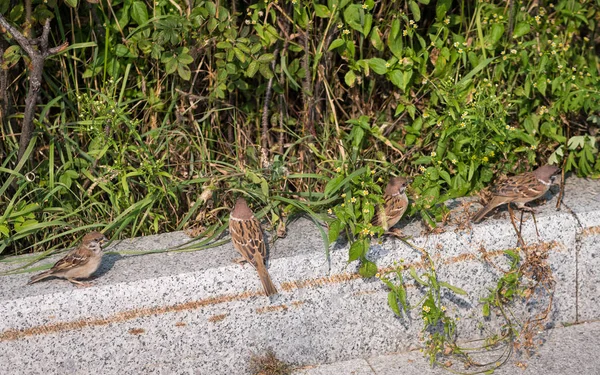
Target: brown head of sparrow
{"points": [[520, 189], [395, 204], [247, 237], [79, 263]]}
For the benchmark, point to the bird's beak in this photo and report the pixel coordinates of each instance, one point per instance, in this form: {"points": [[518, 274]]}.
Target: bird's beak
{"points": [[103, 240]]}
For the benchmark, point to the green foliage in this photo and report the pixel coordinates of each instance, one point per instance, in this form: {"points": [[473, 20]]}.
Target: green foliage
{"points": [[439, 326], [451, 93]]}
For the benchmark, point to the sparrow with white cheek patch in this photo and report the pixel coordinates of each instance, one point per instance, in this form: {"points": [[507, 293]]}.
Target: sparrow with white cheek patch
{"points": [[395, 205], [79, 263], [520, 189], [247, 237]]}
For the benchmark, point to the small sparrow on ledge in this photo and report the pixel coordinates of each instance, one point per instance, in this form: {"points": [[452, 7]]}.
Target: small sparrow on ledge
{"points": [[79, 263], [395, 204], [520, 189], [247, 238]]}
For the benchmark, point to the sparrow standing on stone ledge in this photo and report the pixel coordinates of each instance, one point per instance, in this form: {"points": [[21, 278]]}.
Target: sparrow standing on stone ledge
{"points": [[520, 189], [395, 205], [79, 263], [247, 238]]}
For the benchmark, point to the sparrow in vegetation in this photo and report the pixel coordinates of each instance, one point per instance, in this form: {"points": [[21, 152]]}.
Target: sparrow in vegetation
{"points": [[247, 238], [520, 189], [396, 203], [79, 263]]}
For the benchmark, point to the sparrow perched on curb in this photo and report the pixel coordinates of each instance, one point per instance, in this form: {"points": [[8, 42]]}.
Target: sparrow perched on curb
{"points": [[520, 189], [247, 238], [79, 263], [396, 203]]}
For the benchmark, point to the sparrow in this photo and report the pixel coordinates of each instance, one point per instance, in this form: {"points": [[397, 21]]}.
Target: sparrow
{"points": [[396, 203], [520, 189], [79, 263], [247, 238]]}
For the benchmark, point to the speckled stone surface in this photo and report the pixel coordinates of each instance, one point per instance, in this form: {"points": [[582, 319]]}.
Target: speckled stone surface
{"points": [[585, 205], [201, 313], [565, 350]]}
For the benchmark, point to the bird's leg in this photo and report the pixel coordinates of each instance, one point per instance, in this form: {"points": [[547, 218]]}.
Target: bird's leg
{"points": [[536, 227], [512, 220], [80, 284], [521, 222], [523, 208]]}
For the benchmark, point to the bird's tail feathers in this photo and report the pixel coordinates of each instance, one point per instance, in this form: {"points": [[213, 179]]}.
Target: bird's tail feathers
{"points": [[39, 277], [265, 279]]}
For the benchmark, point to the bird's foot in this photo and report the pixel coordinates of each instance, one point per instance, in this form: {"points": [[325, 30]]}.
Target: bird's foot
{"points": [[80, 284]]}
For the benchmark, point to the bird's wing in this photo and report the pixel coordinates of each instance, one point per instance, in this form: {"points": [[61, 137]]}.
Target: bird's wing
{"points": [[525, 185], [391, 212], [247, 238], [75, 258]]}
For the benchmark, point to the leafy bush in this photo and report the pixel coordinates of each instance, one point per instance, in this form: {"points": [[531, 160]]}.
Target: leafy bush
{"points": [[156, 104]]}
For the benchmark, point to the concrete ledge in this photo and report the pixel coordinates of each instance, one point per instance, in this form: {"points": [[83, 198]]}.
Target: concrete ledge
{"points": [[201, 313], [565, 350]]}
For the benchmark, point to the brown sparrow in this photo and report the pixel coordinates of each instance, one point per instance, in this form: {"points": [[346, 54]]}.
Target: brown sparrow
{"points": [[79, 263], [247, 238], [396, 203], [520, 189]]}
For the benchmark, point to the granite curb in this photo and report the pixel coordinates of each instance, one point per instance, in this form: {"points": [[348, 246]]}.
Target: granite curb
{"points": [[201, 313]]}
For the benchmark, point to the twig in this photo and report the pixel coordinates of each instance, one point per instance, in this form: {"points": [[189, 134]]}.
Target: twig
{"points": [[38, 56], [264, 138], [511, 18]]}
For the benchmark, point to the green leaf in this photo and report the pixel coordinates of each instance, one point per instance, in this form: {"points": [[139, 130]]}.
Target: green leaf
{"points": [[266, 58], [265, 71], [476, 70], [4, 231], [184, 72], [264, 187], [335, 228], [333, 185], [415, 10], [376, 39], [122, 51], [397, 78], [413, 273], [368, 18], [239, 54], [350, 78], [496, 34], [453, 288], [252, 68], [185, 59], [521, 29], [441, 9], [393, 303], [486, 309], [367, 269], [335, 44], [139, 12], [322, 11], [378, 65], [224, 45], [394, 41], [356, 251], [542, 84], [353, 15]]}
